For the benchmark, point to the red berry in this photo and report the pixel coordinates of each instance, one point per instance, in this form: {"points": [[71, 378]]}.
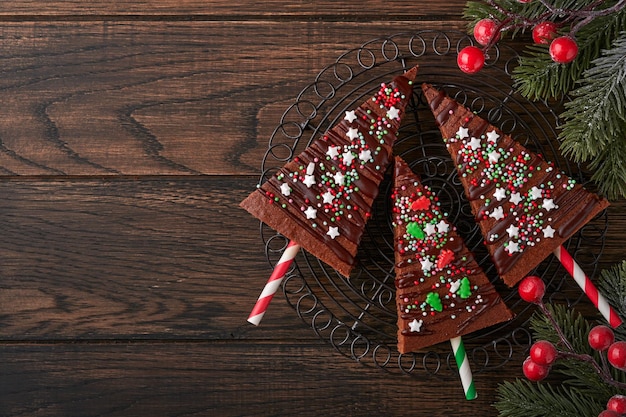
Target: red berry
{"points": [[485, 32], [544, 32], [617, 403], [600, 338], [534, 371], [609, 413], [531, 289], [543, 352], [617, 355], [471, 59], [563, 50]]}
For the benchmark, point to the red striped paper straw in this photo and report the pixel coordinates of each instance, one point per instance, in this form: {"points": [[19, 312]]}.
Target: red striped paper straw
{"points": [[273, 283], [587, 286]]}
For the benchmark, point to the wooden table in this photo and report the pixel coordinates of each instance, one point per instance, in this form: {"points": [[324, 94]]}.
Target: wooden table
{"points": [[129, 133]]}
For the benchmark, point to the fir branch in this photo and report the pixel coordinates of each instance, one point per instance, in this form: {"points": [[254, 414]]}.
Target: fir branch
{"points": [[523, 399], [538, 77], [598, 109], [612, 284], [573, 325], [609, 172], [595, 120]]}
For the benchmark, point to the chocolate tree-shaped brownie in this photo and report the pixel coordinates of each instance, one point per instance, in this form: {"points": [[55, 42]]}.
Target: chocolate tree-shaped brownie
{"points": [[441, 291], [322, 198], [525, 206]]}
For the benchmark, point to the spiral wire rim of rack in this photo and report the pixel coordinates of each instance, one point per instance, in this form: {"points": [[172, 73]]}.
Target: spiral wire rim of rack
{"points": [[358, 316]]}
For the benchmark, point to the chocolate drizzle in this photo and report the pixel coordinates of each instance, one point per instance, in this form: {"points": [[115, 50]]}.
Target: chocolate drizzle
{"points": [[459, 315], [327, 193], [437, 263], [541, 229]]}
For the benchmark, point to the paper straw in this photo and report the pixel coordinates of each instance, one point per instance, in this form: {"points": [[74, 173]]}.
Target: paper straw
{"points": [[464, 368], [587, 286], [273, 283]]}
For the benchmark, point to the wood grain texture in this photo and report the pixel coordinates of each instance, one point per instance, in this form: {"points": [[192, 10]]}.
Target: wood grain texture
{"points": [[247, 9], [129, 133], [149, 258], [131, 259], [157, 98], [211, 379]]}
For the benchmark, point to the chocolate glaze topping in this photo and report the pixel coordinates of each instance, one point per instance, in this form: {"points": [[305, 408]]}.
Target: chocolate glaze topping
{"points": [[353, 195], [573, 205], [451, 263]]}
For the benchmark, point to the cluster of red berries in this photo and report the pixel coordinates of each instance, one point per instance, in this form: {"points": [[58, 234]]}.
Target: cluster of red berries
{"points": [[543, 354], [471, 59], [615, 407]]}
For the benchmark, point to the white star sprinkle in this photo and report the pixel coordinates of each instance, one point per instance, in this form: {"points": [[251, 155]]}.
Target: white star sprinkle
{"points": [[515, 198], [328, 197], [454, 287], [429, 229], [310, 213], [492, 136], [534, 193], [442, 227], [499, 194], [352, 133], [393, 113], [350, 116], [513, 231], [333, 232], [339, 177], [333, 151], [548, 231], [416, 326], [497, 213], [548, 204], [285, 189], [512, 247], [494, 156], [474, 143], [310, 169], [348, 157], [462, 133], [309, 180], [427, 265], [365, 155]]}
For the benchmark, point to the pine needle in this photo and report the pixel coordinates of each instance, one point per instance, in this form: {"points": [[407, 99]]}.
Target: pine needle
{"points": [[612, 285], [524, 399], [595, 120]]}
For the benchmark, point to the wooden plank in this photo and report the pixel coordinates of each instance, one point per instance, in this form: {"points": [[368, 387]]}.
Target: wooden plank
{"points": [[234, 379], [133, 259], [158, 98], [152, 258], [223, 9]]}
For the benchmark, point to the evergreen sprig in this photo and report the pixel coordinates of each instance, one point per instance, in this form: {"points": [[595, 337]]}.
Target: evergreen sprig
{"points": [[539, 78], [581, 391], [595, 120], [574, 327], [524, 399], [612, 284]]}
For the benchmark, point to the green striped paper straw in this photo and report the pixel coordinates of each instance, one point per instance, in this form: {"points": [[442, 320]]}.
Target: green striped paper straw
{"points": [[464, 368]]}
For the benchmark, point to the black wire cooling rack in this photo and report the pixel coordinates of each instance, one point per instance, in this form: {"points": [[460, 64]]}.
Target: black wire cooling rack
{"points": [[357, 316]]}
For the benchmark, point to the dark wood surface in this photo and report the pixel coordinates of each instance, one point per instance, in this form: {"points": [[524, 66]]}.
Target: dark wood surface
{"points": [[129, 133]]}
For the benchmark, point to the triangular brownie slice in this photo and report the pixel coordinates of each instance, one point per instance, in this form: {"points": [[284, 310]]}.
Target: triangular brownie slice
{"points": [[525, 206], [322, 198], [441, 291]]}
